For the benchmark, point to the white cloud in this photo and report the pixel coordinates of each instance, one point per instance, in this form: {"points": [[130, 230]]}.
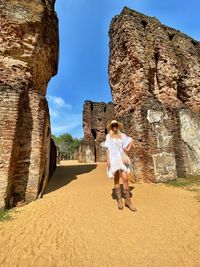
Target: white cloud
{"points": [[59, 129], [58, 102], [64, 118], [53, 113], [66, 123]]}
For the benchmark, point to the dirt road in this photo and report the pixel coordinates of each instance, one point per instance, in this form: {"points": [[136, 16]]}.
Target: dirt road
{"points": [[77, 224]]}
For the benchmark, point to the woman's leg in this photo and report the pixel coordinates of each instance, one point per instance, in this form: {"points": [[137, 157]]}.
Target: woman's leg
{"points": [[116, 180], [127, 194], [125, 180], [117, 190]]}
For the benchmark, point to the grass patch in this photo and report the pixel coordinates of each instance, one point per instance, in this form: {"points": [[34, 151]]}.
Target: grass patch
{"points": [[4, 216], [191, 183], [184, 182]]}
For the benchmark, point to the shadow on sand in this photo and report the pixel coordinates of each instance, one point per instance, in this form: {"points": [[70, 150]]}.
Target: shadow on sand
{"points": [[121, 187], [65, 174]]}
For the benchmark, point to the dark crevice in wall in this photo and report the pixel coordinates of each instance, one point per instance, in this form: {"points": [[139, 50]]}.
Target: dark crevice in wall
{"points": [[151, 80], [171, 36], [181, 89], [144, 23], [94, 133], [92, 106], [178, 147], [95, 153], [156, 57]]}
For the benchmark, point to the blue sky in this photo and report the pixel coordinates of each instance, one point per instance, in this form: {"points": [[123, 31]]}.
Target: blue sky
{"points": [[83, 60]]}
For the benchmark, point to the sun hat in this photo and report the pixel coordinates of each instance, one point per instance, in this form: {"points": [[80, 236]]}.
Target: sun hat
{"points": [[120, 125]]}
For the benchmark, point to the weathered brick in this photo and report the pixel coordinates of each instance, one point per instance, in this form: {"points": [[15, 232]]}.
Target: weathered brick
{"points": [[96, 116], [154, 73], [29, 55]]}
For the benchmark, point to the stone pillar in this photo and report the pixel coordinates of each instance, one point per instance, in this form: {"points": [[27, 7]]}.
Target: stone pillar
{"points": [[29, 55]]}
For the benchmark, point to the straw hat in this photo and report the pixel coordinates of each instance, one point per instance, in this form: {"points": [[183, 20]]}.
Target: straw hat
{"points": [[120, 125]]}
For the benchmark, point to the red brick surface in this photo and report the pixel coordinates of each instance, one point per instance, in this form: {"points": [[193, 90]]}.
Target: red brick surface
{"points": [[29, 54], [154, 75]]}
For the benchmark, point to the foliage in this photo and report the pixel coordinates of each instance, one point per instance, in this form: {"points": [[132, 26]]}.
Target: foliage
{"points": [[4, 216], [67, 145]]}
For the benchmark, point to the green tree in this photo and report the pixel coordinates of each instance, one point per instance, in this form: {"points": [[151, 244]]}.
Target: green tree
{"points": [[67, 145]]}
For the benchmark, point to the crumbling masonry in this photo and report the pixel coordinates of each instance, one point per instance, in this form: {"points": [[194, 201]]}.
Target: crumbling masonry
{"points": [[28, 59], [155, 81], [96, 116]]}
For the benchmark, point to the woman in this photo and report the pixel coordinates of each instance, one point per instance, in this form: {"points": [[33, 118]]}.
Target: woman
{"points": [[116, 144]]}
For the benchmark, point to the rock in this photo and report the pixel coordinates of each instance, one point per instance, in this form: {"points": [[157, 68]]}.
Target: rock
{"points": [[154, 73], [28, 59]]}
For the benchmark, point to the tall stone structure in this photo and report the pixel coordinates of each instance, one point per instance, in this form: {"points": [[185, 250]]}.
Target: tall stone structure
{"points": [[28, 59], [96, 116], [154, 75]]}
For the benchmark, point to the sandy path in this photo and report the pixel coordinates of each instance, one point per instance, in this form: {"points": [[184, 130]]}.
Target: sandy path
{"points": [[77, 224]]}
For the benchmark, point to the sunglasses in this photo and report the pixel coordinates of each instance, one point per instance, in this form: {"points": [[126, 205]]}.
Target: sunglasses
{"points": [[114, 125]]}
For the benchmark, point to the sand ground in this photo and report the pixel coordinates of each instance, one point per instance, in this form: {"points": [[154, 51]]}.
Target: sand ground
{"points": [[77, 223]]}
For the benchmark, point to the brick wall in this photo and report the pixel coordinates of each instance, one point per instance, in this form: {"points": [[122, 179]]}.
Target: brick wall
{"points": [[29, 55], [154, 73], [96, 116]]}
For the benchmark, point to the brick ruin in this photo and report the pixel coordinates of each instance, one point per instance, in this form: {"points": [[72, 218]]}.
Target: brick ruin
{"points": [[96, 116], [154, 75], [28, 59]]}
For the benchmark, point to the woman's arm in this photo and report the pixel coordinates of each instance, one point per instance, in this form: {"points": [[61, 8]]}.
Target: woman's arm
{"points": [[129, 146], [107, 158]]}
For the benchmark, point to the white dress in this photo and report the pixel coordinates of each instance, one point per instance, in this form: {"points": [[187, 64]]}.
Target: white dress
{"points": [[116, 146]]}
